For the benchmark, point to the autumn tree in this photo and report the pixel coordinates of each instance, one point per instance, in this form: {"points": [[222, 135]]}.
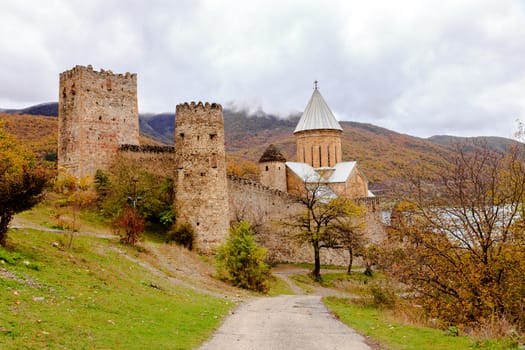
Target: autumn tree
{"points": [[79, 193], [21, 183], [348, 229], [325, 222], [459, 243]]}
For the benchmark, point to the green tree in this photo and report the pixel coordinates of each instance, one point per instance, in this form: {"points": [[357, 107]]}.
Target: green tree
{"points": [[127, 181], [21, 183], [241, 261]]}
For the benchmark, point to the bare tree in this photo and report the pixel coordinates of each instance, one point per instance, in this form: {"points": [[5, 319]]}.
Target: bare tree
{"points": [[460, 243]]}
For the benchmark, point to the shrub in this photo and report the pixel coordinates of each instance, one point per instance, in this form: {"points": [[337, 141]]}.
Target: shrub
{"points": [[383, 296], [181, 234], [129, 226], [241, 261]]}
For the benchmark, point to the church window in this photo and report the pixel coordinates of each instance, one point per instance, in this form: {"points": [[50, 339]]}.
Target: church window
{"points": [[328, 149], [267, 168], [320, 157]]}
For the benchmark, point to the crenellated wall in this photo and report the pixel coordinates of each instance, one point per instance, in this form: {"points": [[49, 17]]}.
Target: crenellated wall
{"points": [[158, 160], [271, 212], [98, 122]]}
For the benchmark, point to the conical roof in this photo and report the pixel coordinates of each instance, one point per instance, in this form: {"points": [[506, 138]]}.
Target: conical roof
{"points": [[272, 154], [317, 115]]}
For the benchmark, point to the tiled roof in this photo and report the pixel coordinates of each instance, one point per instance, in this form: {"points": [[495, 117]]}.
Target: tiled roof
{"points": [[272, 154]]}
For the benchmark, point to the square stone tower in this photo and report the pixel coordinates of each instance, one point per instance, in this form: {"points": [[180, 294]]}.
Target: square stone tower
{"points": [[97, 112], [201, 186]]}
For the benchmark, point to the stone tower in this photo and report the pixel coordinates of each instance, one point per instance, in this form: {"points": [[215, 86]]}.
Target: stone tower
{"points": [[201, 188], [318, 134], [272, 166], [97, 112]]}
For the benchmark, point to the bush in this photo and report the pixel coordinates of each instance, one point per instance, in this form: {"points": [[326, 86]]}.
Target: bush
{"points": [[129, 226], [241, 261], [383, 296], [181, 234]]}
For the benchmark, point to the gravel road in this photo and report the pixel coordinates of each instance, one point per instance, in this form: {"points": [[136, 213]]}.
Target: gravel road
{"points": [[284, 322]]}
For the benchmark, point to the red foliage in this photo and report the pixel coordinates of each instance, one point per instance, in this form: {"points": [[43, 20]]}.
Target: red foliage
{"points": [[129, 225]]}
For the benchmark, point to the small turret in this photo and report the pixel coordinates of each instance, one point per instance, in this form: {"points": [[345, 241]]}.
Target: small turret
{"points": [[272, 165]]}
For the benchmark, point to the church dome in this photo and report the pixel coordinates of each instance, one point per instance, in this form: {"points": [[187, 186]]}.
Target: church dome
{"points": [[317, 115]]}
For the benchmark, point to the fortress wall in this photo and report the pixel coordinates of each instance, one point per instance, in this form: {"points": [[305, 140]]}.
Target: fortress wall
{"points": [[158, 160], [271, 211]]}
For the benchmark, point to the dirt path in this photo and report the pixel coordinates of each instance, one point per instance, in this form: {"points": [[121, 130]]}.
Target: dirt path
{"points": [[286, 271], [284, 322]]}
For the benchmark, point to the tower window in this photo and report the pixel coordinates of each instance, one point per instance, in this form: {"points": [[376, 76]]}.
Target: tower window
{"points": [[267, 168], [213, 136], [181, 135]]}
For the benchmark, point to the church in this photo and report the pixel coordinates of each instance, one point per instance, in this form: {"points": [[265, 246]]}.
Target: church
{"points": [[319, 158]]}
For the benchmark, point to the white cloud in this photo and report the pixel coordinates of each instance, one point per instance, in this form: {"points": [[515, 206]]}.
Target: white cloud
{"points": [[422, 67]]}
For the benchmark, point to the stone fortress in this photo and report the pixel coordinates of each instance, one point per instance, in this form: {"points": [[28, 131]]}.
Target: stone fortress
{"points": [[98, 121]]}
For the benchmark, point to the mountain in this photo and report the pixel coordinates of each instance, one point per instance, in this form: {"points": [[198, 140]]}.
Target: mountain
{"points": [[386, 157], [500, 144], [47, 109]]}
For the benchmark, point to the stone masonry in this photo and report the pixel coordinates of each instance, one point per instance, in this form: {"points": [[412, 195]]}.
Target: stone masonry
{"points": [[201, 188], [97, 112]]}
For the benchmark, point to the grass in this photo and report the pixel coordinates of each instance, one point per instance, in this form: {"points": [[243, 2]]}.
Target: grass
{"points": [[279, 287], [92, 297], [304, 282], [376, 324], [323, 267]]}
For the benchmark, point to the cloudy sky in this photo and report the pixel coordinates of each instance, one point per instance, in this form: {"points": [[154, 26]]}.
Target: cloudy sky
{"points": [[414, 66]]}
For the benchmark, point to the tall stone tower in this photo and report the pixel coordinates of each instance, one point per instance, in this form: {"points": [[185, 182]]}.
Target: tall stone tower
{"points": [[272, 166], [318, 134], [201, 188], [97, 112]]}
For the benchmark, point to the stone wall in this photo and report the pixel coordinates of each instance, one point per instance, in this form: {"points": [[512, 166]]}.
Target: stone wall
{"points": [[201, 190], [97, 112], [271, 212], [273, 175], [157, 160]]}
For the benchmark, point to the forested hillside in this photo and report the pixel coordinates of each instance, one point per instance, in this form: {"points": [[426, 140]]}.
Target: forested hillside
{"points": [[386, 157]]}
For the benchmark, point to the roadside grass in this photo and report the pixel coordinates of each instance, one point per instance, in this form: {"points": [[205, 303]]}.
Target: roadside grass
{"points": [[377, 324], [304, 282], [93, 297], [356, 283], [279, 287], [323, 267]]}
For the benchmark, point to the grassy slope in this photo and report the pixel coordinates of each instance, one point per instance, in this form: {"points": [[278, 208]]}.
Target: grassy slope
{"points": [[376, 324], [37, 133], [94, 297]]}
